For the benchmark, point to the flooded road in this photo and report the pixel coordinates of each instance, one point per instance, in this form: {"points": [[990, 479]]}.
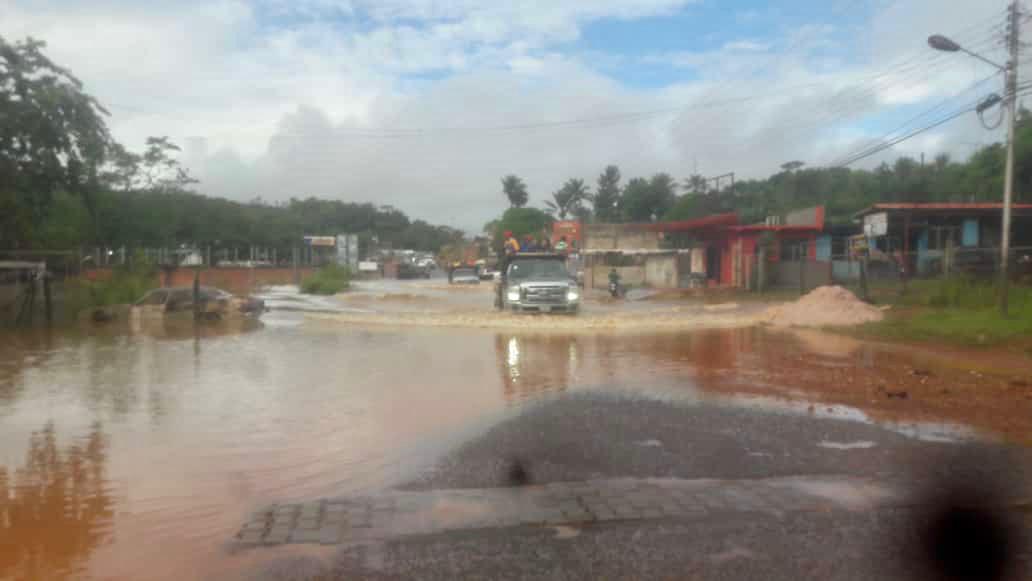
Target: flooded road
{"points": [[136, 455]]}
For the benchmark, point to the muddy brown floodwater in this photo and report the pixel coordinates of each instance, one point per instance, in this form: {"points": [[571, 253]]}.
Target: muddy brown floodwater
{"points": [[127, 455]]}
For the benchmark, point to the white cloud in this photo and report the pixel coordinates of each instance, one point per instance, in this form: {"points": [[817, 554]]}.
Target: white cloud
{"points": [[293, 98]]}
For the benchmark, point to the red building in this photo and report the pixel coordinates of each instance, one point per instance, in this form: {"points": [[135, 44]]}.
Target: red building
{"points": [[724, 252], [570, 229]]}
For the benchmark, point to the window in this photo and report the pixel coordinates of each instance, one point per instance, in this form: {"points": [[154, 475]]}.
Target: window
{"points": [[524, 269], [157, 297]]}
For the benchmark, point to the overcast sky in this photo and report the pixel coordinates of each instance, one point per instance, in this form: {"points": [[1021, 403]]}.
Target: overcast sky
{"points": [[425, 104]]}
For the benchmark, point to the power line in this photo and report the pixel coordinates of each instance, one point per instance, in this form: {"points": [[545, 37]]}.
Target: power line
{"points": [[888, 136], [914, 133], [966, 109]]}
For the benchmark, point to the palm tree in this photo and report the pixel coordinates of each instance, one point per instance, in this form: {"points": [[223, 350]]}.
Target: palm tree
{"points": [[568, 199], [515, 190]]}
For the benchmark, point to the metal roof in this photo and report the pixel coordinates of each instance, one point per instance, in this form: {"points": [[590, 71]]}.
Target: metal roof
{"points": [[938, 207]]}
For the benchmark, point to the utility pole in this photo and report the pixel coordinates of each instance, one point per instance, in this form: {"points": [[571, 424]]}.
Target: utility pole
{"points": [[1013, 28]]}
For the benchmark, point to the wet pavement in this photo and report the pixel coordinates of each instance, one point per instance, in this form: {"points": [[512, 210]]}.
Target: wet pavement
{"points": [[139, 453]]}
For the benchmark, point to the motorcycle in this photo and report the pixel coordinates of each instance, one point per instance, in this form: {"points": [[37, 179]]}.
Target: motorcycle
{"points": [[615, 290]]}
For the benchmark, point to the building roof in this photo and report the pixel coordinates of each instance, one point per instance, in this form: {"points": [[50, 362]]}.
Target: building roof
{"points": [[938, 207], [636, 251], [778, 228], [716, 220]]}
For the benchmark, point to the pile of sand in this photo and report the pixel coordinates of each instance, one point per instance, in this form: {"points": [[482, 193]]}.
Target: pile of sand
{"points": [[825, 305]]}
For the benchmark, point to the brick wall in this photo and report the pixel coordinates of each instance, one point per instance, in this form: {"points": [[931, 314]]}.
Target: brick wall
{"points": [[234, 280]]}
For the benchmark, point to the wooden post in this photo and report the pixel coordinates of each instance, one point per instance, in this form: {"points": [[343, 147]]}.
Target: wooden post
{"points": [[293, 260], [48, 304], [904, 266], [197, 293]]}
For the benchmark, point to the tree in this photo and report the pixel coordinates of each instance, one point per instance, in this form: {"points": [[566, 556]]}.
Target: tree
{"points": [[521, 222], [568, 199], [155, 170], [607, 196], [695, 184], [514, 189], [52, 135], [648, 200], [791, 166]]}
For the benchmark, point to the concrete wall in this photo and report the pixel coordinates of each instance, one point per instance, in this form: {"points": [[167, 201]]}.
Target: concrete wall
{"points": [[786, 274], [629, 275], [234, 280], [618, 237], [661, 271]]}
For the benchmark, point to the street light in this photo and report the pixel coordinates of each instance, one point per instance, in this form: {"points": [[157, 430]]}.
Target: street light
{"points": [[939, 42]]}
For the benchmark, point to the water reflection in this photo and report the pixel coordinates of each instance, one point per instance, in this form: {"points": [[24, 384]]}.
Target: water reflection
{"points": [[532, 365], [56, 509]]}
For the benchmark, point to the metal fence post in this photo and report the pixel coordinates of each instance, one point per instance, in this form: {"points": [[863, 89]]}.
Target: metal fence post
{"points": [[761, 270], [802, 276], [863, 280]]}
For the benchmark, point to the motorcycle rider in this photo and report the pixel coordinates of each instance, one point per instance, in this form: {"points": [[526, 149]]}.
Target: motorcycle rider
{"points": [[614, 282]]}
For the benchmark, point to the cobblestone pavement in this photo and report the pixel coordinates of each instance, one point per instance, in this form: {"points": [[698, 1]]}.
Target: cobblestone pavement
{"points": [[397, 513]]}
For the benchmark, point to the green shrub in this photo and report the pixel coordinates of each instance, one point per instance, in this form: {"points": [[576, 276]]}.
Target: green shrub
{"points": [[126, 285], [963, 293], [328, 280]]}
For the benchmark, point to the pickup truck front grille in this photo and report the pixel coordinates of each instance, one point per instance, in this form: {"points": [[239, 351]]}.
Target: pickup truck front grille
{"points": [[545, 295]]}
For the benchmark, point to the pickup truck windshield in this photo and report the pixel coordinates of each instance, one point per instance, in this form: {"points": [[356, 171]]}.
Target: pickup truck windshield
{"points": [[542, 268]]}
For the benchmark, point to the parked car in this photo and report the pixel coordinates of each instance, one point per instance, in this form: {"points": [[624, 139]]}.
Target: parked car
{"points": [[538, 282], [412, 270], [215, 303], [464, 275]]}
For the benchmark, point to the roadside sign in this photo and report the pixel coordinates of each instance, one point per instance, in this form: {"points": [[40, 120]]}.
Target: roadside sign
{"points": [[876, 224], [330, 241]]}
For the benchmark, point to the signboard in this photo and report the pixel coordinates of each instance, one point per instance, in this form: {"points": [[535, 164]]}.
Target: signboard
{"points": [[347, 250], [330, 241], [571, 229], [876, 224]]}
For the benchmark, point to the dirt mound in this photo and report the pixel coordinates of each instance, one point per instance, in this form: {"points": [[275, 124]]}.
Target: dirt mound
{"points": [[825, 305]]}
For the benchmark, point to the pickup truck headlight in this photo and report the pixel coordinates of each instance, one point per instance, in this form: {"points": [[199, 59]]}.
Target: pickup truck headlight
{"points": [[572, 295], [514, 293]]}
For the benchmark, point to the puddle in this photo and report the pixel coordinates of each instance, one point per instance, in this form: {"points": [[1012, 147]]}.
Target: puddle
{"points": [[860, 445], [183, 438]]}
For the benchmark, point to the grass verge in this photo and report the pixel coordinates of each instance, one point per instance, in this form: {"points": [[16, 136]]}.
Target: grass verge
{"points": [[328, 280], [959, 311]]}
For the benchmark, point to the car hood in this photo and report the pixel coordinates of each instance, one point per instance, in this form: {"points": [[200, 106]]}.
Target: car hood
{"points": [[550, 280]]}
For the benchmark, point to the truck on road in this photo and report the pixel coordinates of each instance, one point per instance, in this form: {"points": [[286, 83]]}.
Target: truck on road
{"points": [[537, 282]]}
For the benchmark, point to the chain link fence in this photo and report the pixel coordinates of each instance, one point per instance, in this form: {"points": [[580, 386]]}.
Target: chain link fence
{"points": [[884, 276]]}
